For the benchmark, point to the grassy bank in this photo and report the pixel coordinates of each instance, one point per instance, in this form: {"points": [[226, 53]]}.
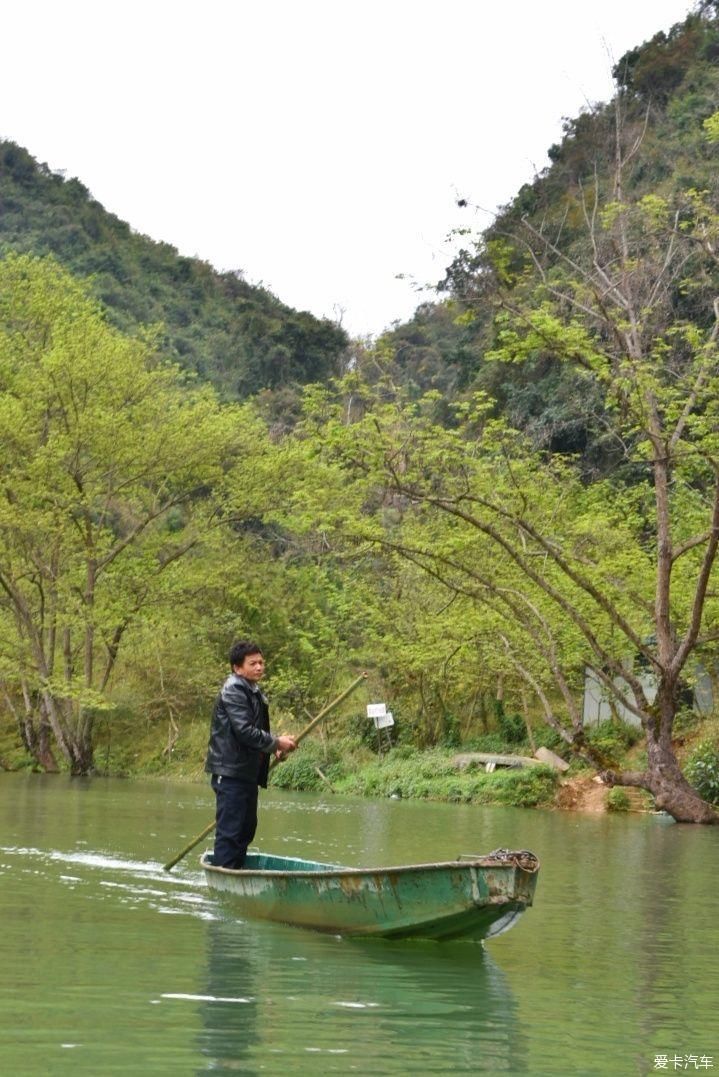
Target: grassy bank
{"points": [[409, 773], [345, 764], [128, 748]]}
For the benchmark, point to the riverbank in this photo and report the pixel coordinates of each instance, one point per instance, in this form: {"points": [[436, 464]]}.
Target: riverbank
{"points": [[338, 763]]}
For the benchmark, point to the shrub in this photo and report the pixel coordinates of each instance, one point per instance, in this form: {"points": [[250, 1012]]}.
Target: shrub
{"points": [[525, 787], [411, 774], [451, 735], [618, 799], [490, 742], [702, 770], [613, 738], [402, 751], [511, 726], [299, 770], [432, 776], [686, 719], [546, 737]]}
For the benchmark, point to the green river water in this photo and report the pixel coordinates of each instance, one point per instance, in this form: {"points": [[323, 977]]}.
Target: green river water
{"points": [[111, 966]]}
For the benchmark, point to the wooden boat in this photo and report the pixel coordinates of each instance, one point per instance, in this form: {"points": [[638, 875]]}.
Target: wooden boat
{"points": [[473, 897]]}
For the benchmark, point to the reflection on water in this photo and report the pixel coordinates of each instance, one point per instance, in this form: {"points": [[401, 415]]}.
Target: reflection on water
{"points": [[112, 966], [278, 998], [229, 1009]]}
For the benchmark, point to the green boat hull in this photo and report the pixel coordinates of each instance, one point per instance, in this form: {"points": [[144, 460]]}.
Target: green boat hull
{"points": [[470, 898]]}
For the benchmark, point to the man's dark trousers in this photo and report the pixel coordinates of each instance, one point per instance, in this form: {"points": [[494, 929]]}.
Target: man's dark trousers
{"points": [[236, 819]]}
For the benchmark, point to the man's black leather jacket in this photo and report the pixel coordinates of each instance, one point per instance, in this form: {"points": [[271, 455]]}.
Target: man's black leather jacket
{"points": [[240, 740]]}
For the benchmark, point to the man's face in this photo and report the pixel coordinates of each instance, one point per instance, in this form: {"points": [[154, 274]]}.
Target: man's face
{"points": [[252, 668]]}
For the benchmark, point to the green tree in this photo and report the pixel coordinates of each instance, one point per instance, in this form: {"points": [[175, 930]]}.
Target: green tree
{"points": [[107, 458], [610, 312], [548, 574]]}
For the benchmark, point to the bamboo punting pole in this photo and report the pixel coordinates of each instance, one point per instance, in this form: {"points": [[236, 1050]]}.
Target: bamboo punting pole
{"points": [[300, 736]]}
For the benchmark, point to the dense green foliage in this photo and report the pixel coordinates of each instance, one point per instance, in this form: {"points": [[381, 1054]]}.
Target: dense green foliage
{"points": [[236, 335], [304, 770], [612, 739], [702, 770], [517, 484], [129, 544], [103, 451], [618, 799]]}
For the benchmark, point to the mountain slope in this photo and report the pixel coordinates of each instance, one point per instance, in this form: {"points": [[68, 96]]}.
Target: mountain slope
{"points": [[666, 90], [236, 335]]}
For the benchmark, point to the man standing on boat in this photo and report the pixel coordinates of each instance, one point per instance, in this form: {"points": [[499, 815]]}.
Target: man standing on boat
{"points": [[238, 754]]}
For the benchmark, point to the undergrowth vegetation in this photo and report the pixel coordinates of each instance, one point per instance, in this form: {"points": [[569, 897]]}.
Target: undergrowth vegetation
{"points": [[702, 770], [613, 739], [407, 773]]}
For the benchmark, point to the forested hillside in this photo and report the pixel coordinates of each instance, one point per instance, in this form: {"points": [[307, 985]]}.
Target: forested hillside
{"points": [[236, 335], [666, 90]]}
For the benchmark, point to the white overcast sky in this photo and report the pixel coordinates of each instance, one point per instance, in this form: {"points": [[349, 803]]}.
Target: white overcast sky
{"points": [[318, 145]]}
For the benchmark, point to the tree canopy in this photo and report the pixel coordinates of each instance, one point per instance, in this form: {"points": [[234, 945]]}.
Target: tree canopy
{"points": [[103, 451]]}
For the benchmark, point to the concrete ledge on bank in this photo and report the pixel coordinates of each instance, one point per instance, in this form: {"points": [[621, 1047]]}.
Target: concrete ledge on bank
{"points": [[491, 760]]}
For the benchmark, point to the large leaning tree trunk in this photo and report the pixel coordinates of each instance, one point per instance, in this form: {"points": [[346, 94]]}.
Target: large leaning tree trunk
{"points": [[663, 776]]}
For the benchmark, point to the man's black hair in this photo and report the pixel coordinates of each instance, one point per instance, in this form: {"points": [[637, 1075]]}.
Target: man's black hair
{"points": [[240, 649]]}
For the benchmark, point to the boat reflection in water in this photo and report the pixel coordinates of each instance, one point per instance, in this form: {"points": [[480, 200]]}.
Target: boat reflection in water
{"points": [[277, 1000]]}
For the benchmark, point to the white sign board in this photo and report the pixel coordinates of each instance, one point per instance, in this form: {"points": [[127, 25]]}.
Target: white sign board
{"points": [[379, 714]]}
